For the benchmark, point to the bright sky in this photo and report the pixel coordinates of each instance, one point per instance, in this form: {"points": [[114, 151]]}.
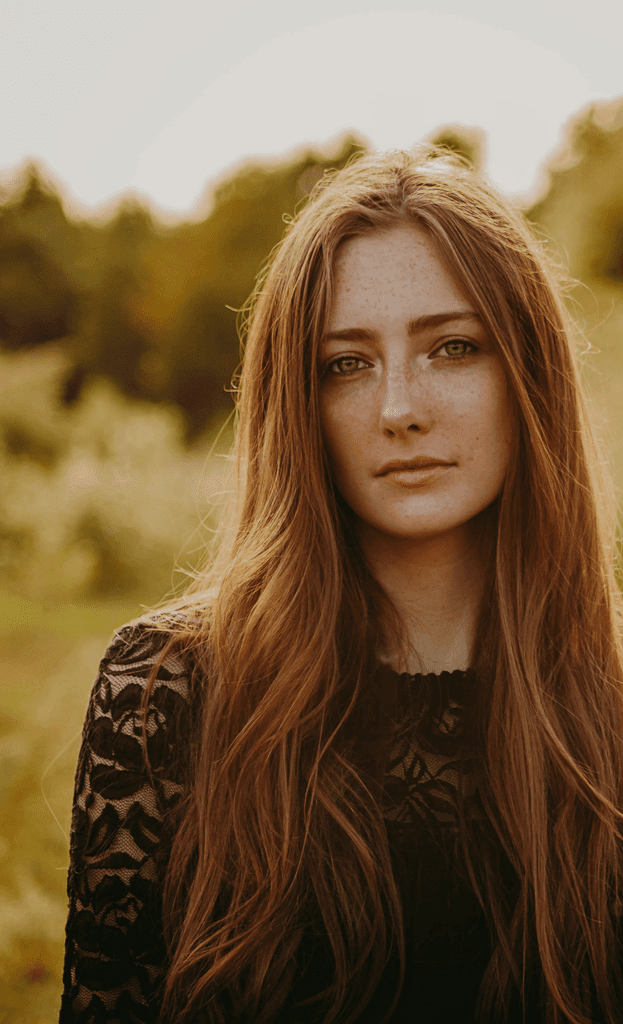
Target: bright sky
{"points": [[161, 97]]}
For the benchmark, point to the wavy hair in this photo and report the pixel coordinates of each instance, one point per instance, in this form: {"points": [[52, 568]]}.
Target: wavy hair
{"points": [[281, 824]]}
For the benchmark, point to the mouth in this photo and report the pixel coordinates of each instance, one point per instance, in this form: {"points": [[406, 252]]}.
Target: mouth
{"points": [[417, 476], [411, 465]]}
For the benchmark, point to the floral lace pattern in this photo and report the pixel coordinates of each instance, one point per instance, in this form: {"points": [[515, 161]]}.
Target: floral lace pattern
{"points": [[115, 958], [114, 948]]}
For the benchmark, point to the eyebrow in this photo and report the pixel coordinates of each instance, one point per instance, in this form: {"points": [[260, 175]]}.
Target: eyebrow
{"points": [[420, 323]]}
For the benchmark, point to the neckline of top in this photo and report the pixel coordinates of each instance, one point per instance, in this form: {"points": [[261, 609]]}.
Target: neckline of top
{"points": [[455, 674]]}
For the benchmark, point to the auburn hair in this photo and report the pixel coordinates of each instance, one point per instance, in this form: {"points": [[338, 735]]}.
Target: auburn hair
{"points": [[281, 822]]}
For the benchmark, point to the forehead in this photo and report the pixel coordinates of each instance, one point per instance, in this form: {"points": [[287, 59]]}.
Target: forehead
{"points": [[392, 268]]}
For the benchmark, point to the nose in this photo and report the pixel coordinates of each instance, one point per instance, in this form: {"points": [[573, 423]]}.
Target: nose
{"points": [[404, 406]]}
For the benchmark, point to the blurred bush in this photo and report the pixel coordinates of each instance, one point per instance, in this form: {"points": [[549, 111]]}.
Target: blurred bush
{"points": [[97, 502], [581, 216]]}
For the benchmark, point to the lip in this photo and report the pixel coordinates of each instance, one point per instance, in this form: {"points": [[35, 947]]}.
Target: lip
{"points": [[404, 465]]}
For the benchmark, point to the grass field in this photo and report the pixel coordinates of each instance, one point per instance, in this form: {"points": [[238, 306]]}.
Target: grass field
{"points": [[49, 658]]}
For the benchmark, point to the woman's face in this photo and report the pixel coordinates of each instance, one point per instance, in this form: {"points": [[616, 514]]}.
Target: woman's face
{"points": [[408, 372]]}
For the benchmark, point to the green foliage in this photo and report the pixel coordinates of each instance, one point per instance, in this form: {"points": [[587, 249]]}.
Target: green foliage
{"points": [[103, 501], [36, 303], [202, 359], [110, 345], [469, 143], [27, 441], [582, 210], [201, 353], [106, 291]]}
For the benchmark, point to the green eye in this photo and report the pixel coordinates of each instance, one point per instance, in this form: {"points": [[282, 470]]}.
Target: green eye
{"points": [[347, 364], [449, 345]]}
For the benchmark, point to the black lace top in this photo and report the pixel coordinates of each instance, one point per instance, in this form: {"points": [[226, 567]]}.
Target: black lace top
{"points": [[115, 956]]}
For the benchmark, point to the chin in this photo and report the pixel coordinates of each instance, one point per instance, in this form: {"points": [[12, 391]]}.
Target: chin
{"points": [[414, 531]]}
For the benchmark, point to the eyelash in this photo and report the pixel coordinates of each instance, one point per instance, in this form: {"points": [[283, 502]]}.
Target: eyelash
{"points": [[451, 341]]}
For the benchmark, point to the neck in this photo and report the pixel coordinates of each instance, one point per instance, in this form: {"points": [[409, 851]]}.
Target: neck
{"points": [[436, 584]]}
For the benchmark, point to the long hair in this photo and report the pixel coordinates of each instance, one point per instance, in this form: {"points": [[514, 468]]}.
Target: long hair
{"points": [[281, 824]]}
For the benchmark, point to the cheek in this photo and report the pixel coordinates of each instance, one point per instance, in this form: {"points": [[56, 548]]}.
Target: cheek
{"points": [[344, 432], [484, 432], [498, 430]]}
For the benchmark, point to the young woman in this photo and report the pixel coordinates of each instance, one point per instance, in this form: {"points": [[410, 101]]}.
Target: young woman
{"points": [[371, 768]]}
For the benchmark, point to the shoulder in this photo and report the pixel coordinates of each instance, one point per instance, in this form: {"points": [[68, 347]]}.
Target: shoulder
{"points": [[123, 821], [137, 650], [152, 645], [136, 658]]}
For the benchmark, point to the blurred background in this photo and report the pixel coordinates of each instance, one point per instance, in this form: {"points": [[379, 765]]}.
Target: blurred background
{"points": [[149, 155]]}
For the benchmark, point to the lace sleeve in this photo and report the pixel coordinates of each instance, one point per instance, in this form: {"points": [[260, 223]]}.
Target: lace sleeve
{"points": [[115, 957]]}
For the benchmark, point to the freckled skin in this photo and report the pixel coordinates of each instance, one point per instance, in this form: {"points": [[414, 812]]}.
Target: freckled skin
{"points": [[399, 393]]}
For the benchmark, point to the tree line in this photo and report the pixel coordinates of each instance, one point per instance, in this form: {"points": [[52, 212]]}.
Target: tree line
{"points": [[153, 308]]}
